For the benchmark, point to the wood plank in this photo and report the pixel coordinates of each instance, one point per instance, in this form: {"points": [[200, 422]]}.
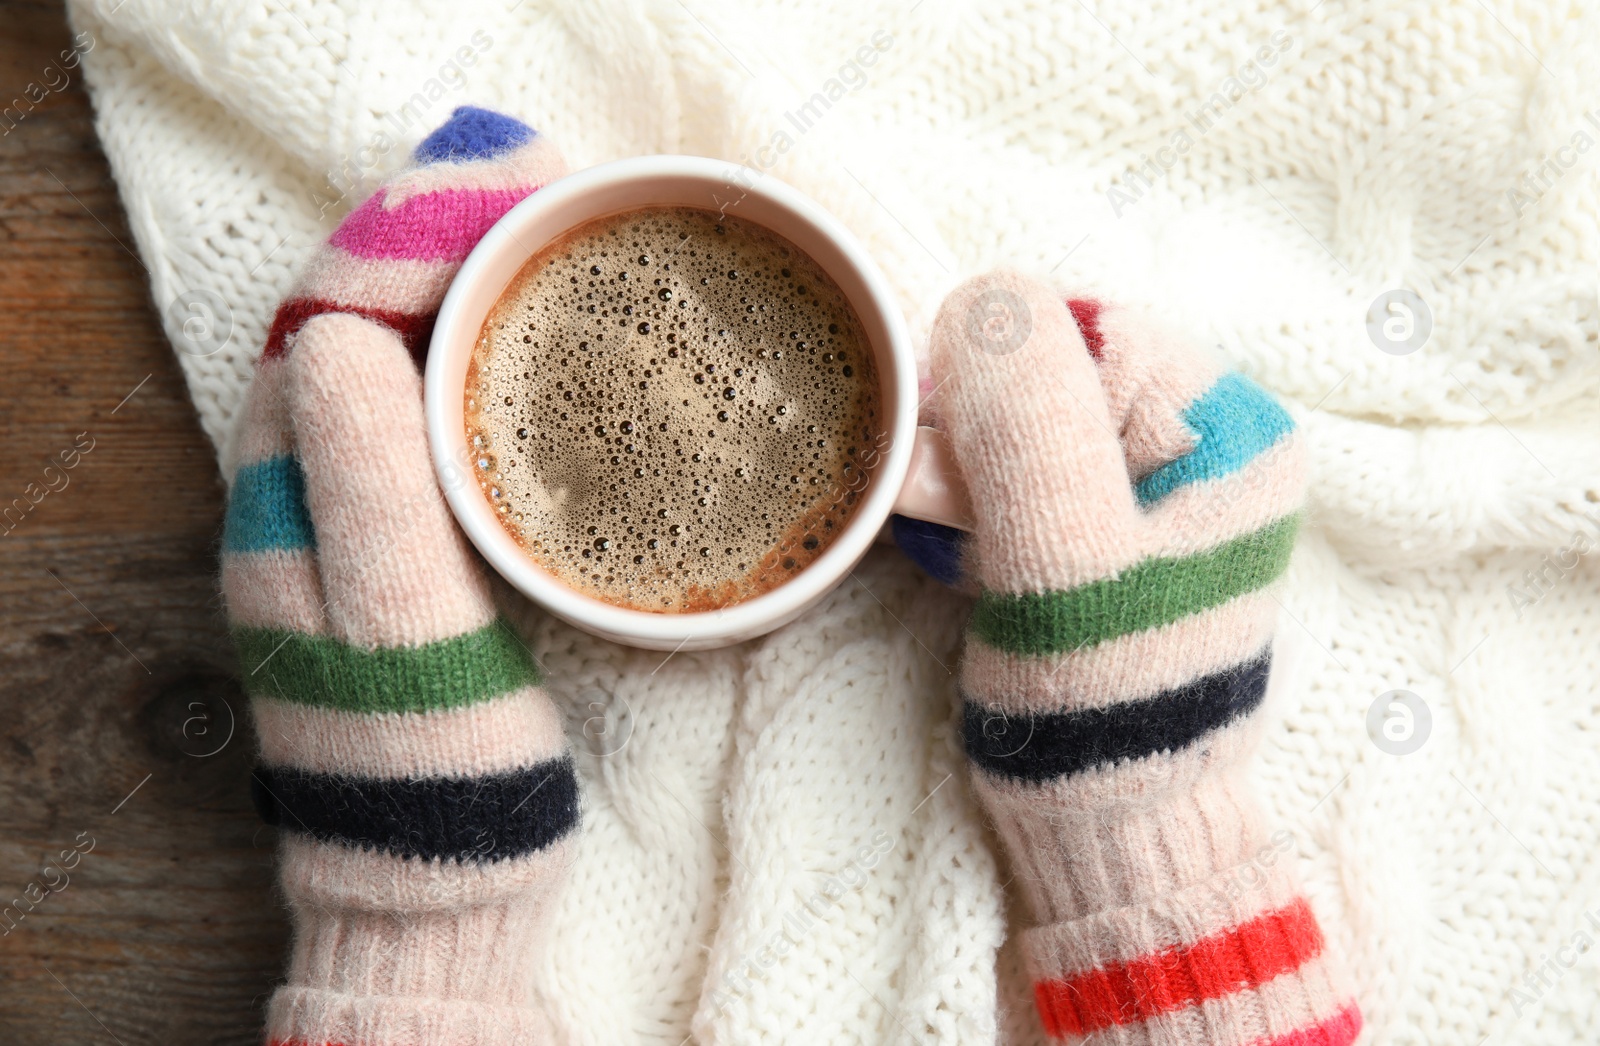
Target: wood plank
{"points": [[113, 648]]}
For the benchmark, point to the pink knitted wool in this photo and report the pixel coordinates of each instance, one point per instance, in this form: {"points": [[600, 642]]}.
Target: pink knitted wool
{"points": [[1134, 504], [416, 769]]}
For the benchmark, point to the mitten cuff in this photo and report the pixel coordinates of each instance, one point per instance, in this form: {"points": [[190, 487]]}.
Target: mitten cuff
{"points": [[451, 977], [1124, 835], [1235, 960], [299, 1016], [411, 951]]}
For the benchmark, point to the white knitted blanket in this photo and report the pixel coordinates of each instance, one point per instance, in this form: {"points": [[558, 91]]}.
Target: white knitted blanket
{"points": [[1261, 171]]}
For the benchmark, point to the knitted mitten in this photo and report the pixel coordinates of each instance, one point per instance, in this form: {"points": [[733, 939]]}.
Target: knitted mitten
{"points": [[1133, 505], [416, 769]]}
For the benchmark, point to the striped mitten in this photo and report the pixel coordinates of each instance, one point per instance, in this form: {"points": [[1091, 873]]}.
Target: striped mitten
{"points": [[416, 770], [1133, 506]]}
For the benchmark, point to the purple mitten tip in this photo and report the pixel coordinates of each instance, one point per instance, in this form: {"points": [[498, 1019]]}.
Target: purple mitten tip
{"points": [[473, 134]]}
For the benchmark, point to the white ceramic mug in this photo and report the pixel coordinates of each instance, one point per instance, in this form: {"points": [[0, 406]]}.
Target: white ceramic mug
{"points": [[913, 474]]}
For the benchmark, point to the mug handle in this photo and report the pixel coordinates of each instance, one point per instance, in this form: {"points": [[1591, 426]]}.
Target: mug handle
{"points": [[933, 490]]}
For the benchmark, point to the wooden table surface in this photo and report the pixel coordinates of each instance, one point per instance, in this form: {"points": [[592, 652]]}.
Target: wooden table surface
{"points": [[117, 688]]}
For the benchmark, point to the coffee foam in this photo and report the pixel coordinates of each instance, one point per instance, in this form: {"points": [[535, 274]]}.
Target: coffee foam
{"points": [[672, 411]]}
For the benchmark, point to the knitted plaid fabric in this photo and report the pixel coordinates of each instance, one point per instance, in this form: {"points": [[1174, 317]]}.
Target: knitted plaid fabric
{"points": [[417, 771], [1134, 505]]}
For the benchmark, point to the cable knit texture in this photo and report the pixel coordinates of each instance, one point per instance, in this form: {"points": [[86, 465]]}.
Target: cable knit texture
{"points": [[1427, 144]]}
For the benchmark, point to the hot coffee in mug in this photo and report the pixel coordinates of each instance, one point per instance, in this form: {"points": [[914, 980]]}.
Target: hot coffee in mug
{"points": [[674, 402], [674, 410]]}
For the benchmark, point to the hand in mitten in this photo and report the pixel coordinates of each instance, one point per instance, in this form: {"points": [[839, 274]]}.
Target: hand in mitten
{"points": [[1133, 506], [416, 769]]}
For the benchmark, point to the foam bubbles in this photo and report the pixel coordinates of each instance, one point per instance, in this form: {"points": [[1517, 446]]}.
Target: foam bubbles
{"points": [[672, 411]]}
